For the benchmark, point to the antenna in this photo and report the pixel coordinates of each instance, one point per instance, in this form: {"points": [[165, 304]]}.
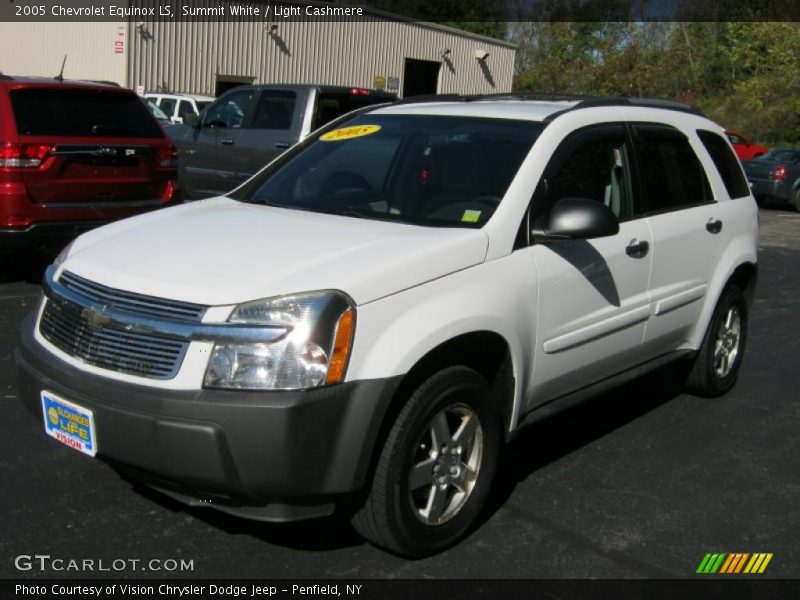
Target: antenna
{"points": [[60, 76]]}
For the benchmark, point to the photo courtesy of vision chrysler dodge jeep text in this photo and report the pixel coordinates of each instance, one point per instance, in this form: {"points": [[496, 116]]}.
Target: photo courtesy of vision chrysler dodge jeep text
{"points": [[365, 321]]}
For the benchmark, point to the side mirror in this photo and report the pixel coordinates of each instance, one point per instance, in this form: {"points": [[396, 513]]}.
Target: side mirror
{"points": [[577, 218], [191, 120]]}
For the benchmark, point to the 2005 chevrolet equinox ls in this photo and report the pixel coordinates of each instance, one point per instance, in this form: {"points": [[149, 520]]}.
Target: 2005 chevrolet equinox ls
{"points": [[371, 316]]}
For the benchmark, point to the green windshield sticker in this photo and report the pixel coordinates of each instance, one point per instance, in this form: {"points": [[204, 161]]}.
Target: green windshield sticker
{"points": [[471, 216]]}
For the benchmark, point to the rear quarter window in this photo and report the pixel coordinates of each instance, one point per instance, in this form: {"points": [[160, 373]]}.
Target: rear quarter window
{"points": [[727, 164], [79, 112]]}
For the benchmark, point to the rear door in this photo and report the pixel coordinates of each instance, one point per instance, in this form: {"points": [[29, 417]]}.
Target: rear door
{"points": [[99, 147], [273, 126], [689, 233], [204, 171]]}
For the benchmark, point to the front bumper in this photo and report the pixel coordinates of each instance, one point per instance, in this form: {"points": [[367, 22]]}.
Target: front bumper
{"points": [[269, 455]]}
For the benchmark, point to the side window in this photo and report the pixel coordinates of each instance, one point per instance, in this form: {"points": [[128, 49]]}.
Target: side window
{"points": [[230, 110], [735, 139], [185, 108], [671, 173], [590, 164], [730, 170], [168, 106], [274, 110]]}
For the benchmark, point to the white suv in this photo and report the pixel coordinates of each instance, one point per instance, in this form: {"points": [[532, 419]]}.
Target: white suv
{"points": [[372, 315], [178, 106]]}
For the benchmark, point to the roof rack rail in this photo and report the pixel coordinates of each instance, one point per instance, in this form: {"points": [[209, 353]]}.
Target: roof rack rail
{"points": [[581, 101]]}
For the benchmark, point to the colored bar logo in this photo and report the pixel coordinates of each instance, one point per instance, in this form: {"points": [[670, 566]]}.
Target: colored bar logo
{"points": [[734, 563]]}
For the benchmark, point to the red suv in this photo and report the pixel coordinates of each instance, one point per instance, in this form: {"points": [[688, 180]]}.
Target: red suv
{"points": [[75, 155]]}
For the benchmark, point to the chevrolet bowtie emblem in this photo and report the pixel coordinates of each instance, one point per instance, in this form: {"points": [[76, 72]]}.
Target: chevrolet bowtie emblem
{"points": [[95, 317]]}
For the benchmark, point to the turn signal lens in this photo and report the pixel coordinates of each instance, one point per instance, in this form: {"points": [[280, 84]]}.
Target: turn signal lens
{"points": [[341, 348]]}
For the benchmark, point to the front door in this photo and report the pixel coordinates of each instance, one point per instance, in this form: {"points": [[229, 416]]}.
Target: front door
{"points": [[593, 294]]}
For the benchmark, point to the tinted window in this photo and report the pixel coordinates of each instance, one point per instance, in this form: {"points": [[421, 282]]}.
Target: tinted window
{"points": [[591, 164], [727, 164], [230, 110], [185, 108], [71, 112], [331, 105], [274, 110], [428, 170], [671, 173], [168, 105]]}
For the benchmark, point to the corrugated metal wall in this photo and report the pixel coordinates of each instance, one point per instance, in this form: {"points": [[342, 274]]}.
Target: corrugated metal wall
{"points": [[94, 50], [187, 57]]}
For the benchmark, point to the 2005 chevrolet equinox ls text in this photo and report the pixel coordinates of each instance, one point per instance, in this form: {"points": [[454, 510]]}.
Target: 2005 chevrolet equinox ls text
{"points": [[365, 321]]}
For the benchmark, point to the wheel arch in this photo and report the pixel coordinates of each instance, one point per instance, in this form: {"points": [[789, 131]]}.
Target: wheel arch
{"points": [[743, 272], [485, 351]]}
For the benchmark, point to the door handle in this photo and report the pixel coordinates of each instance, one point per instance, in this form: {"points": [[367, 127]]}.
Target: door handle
{"points": [[282, 145], [226, 142], [637, 249], [714, 226]]}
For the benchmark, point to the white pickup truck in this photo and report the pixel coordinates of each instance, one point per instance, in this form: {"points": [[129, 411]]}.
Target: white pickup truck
{"points": [[369, 318]]}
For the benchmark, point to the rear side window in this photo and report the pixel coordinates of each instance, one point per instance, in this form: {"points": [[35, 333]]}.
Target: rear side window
{"points": [[185, 108], [168, 105], [671, 173], [726, 162], [70, 112], [274, 110], [331, 105]]}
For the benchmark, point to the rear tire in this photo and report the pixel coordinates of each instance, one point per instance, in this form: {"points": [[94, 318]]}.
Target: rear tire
{"points": [[796, 202], [716, 366], [436, 468]]}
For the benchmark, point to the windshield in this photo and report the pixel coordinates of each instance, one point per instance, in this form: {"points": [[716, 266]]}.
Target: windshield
{"points": [[427, 170]]}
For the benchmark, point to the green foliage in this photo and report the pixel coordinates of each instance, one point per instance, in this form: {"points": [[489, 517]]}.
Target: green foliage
{"points": [[745, 75]]}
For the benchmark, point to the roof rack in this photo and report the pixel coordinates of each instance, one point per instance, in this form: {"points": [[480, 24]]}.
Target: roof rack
{"points": [[581, 101]]}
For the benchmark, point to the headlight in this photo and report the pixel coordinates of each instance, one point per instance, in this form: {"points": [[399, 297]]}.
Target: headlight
{"points": [[313, 352], [62, 256]]}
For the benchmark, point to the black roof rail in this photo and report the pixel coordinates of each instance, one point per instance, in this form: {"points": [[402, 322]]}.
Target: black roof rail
{"points": [[581, 101], [437, 98], [624, 101]]}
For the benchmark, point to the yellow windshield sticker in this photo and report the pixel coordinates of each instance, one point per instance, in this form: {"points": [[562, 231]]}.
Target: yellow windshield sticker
{"points": [[346, 133], [471, 216]]}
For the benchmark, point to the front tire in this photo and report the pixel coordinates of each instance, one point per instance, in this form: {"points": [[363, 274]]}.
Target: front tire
{"points": [[436, 467], [716, 366]]}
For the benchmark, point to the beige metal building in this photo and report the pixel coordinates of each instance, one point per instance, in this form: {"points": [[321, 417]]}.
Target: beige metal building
{"points": [[208, 57]]}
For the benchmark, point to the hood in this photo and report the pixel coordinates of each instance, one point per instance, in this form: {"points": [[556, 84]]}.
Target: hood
{"points": [[221, 251]]}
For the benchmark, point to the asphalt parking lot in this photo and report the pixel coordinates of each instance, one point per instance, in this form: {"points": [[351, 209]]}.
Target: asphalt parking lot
{"points": [[641, 482]]}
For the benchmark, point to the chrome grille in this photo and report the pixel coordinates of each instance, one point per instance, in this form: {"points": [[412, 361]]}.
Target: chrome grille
{"points": [[70, 328], [138, 303]]}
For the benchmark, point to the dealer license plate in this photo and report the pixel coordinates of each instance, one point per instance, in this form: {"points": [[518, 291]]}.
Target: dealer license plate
{"points": [[69, 423]]}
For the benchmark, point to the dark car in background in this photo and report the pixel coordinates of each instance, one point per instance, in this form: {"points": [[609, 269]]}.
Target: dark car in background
{"points": [[75, 155], [248, 126], [775, 177]]}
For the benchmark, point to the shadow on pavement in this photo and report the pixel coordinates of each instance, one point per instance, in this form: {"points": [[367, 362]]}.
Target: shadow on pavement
{"points": [[545, 441], [315, 535], [23, 268], [538, 445]]}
